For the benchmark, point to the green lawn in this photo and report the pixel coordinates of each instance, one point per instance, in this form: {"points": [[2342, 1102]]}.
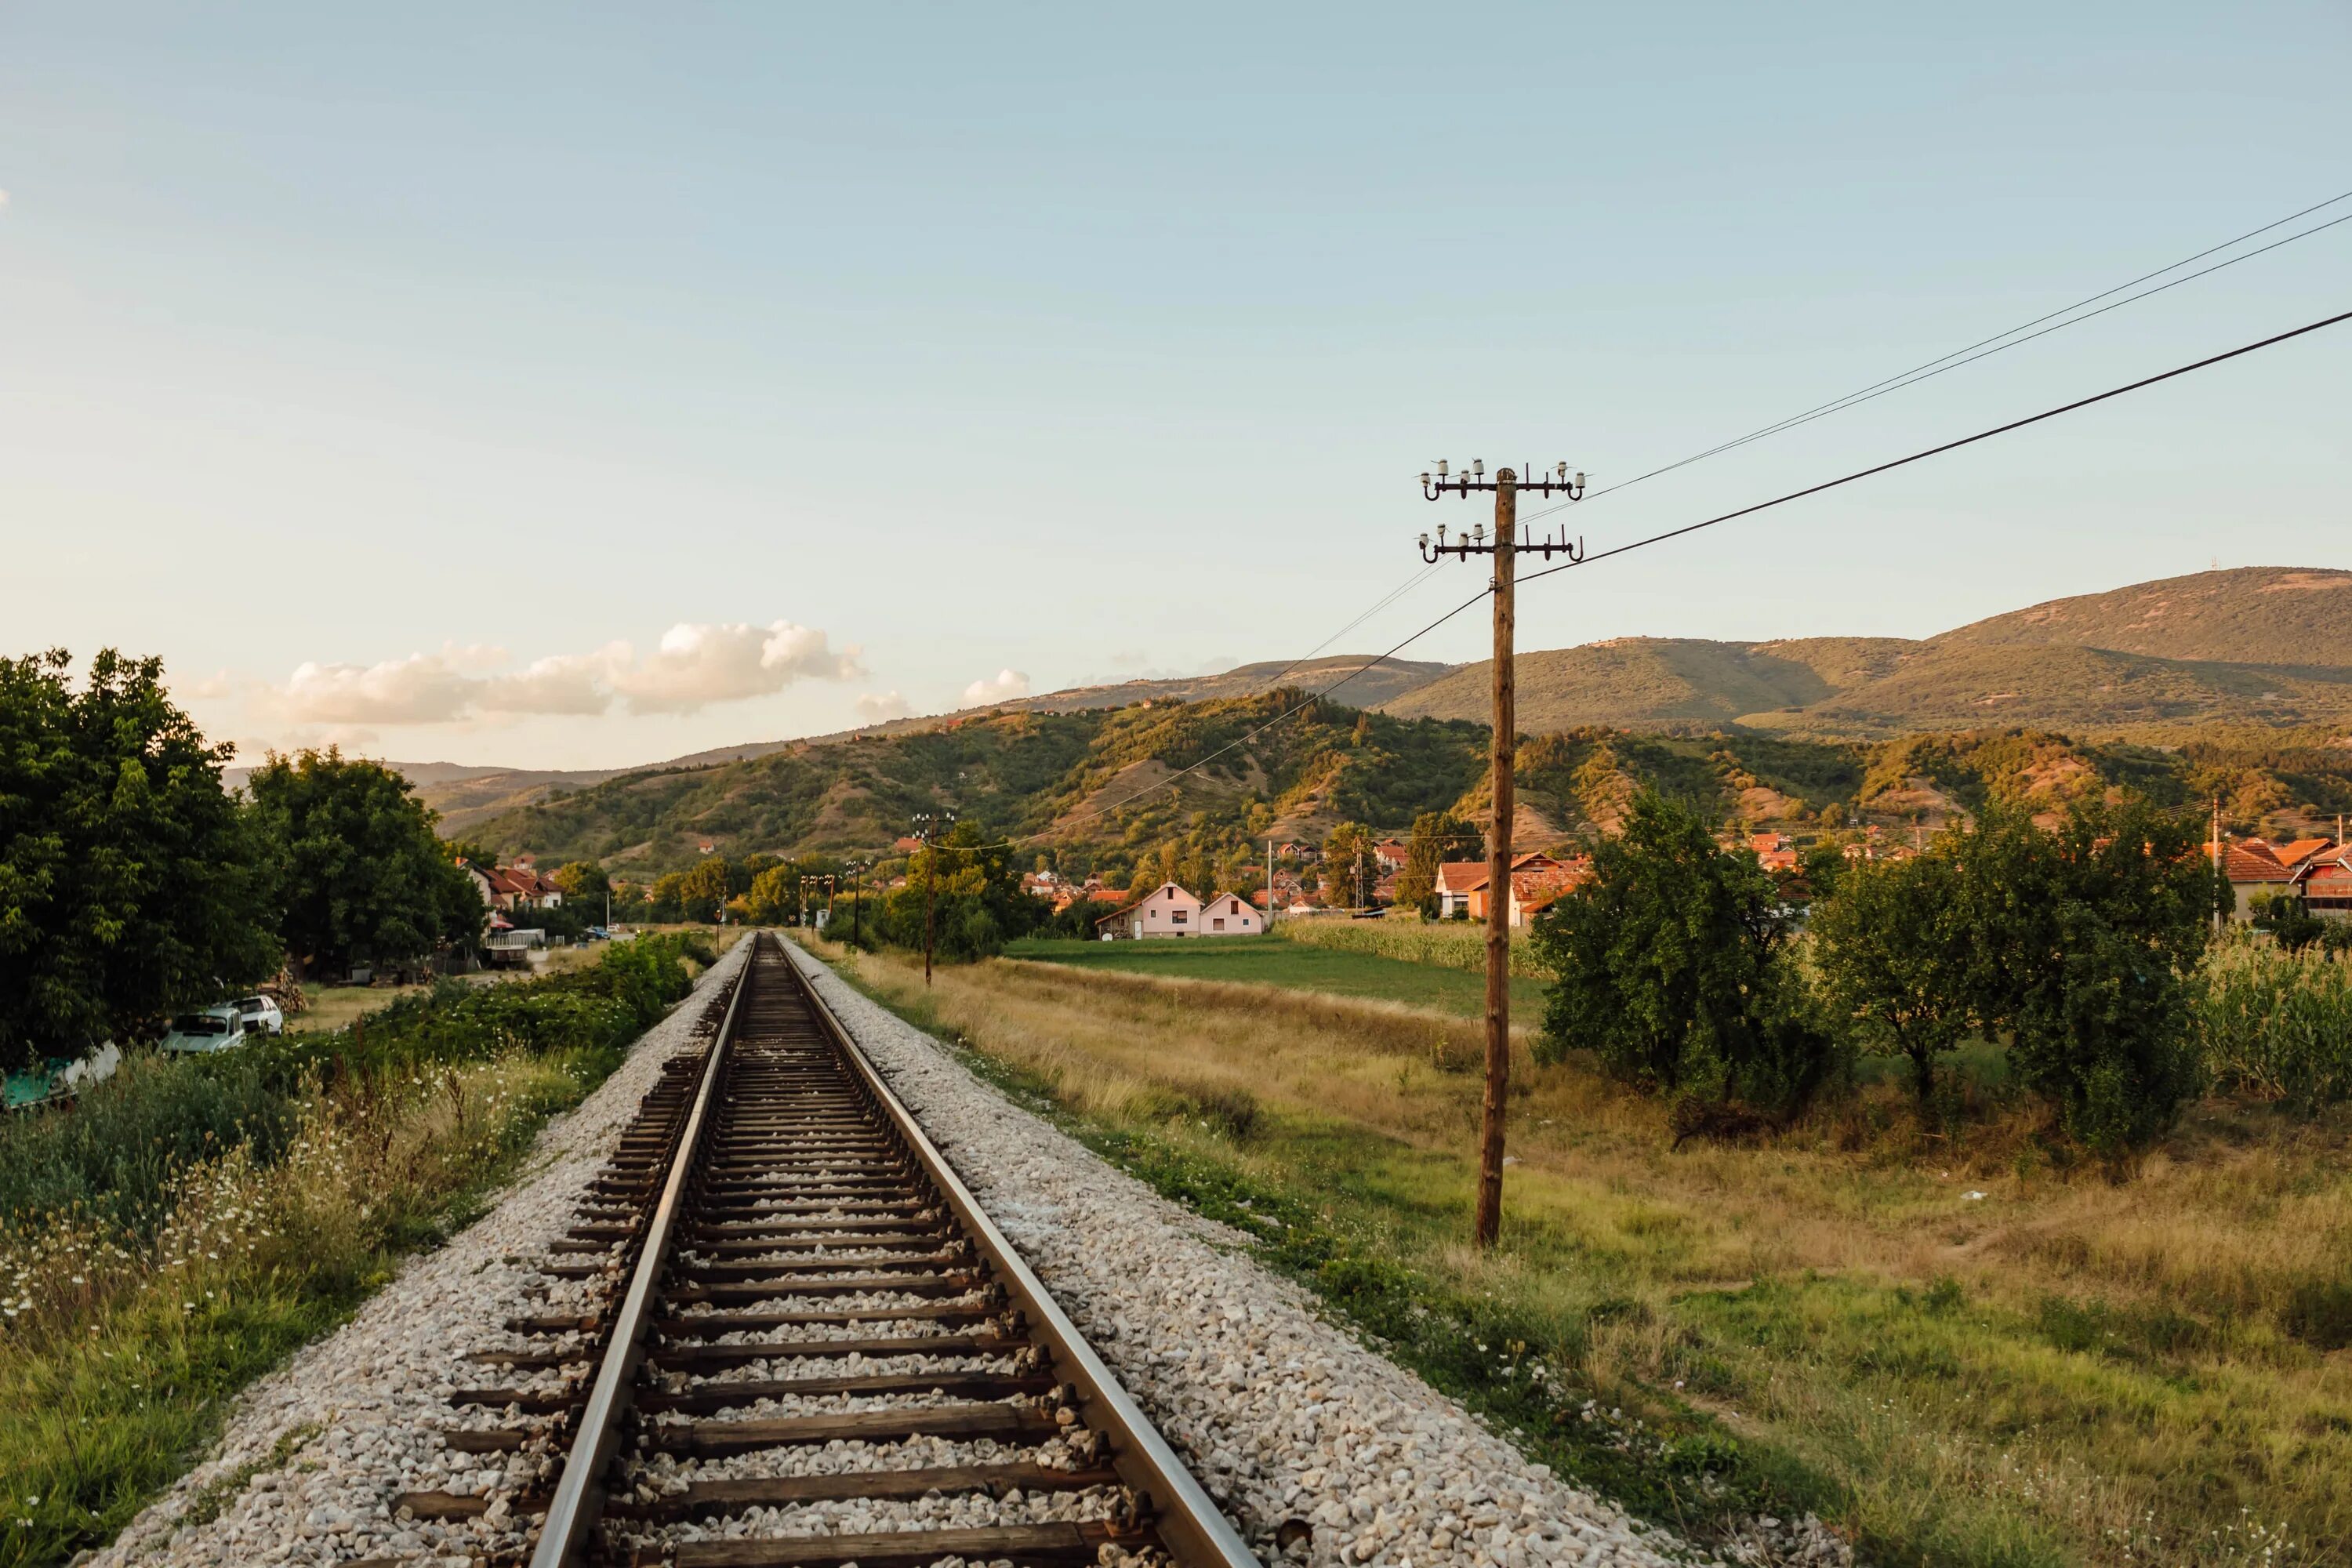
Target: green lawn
{"points": [[1266, 961]]}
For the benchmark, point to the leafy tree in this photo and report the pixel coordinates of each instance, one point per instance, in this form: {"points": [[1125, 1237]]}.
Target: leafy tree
{"points": [[976, 905], [702, 889], [1671, 965], [582, 880], [130, 881], [1348, 868], [2087, 941], [362, 874], [1437, 836], [775, 896], [1822, 867], [1897, 955]]}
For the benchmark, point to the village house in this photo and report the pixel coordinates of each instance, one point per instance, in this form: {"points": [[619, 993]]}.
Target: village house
{"points": [[1167, 910], [1392, 854], [516, 886], [1456, 879], [2314, 869], [1229, 914]]}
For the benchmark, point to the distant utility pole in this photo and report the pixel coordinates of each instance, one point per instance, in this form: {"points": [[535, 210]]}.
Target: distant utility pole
{"points": [[927, 828], [856, 886], [1269, 880], [1506, 547]]}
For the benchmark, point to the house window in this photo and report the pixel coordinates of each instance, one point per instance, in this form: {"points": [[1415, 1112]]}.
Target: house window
{"points": [[1217, 924], [1177, 916]]}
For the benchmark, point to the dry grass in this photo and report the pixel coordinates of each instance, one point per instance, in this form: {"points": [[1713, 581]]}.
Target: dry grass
{"points": [[1977, 1355]]}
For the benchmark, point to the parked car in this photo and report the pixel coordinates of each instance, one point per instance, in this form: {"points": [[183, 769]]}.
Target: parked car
{"points": [[264, 1008], [55, 1078], [213, 1030]]}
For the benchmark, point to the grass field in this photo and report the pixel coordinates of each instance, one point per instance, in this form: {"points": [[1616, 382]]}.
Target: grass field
{"points": [[1955, 1350], [1262, 961]]}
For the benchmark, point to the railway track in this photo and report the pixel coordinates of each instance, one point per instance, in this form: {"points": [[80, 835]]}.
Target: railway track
{"points": [[781, 1334]]}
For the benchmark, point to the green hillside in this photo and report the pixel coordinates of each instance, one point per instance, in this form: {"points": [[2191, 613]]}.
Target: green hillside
{"points": [[1083, 781], [2288, 615]]}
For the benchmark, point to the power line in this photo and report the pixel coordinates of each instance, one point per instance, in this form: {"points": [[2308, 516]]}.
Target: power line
{"points": [[1478, 597], [1951, 446], [1995, 344]]}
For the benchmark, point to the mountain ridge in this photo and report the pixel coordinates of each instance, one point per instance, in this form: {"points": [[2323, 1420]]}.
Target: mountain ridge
{"points": [[2268, 646]]}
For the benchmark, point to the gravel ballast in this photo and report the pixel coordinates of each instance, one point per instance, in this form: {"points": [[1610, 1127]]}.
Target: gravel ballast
{"points": [[354, 1412], [1282, 1415]]}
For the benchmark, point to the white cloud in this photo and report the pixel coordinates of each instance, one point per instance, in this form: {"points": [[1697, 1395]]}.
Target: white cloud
{"points": [[693, 667], [878, 709], [1007, 685], [698, 665], [419, 689], [561, 683]]}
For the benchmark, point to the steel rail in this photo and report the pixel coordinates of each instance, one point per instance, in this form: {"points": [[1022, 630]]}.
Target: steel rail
{"points": [[572, 1514], [1188, 1521]]}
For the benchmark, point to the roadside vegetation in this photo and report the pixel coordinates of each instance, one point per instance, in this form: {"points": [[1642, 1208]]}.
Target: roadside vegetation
{"points": [[1959, 1341], [192, 1221]]}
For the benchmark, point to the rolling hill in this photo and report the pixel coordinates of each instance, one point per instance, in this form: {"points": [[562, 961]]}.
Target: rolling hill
{"points": [[2269, 644], [2256, 646]]}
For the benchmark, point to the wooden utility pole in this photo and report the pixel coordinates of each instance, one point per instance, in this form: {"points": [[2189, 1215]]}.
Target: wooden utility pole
{"points": [[1504, 754], [928, 828], [1505, 548]]}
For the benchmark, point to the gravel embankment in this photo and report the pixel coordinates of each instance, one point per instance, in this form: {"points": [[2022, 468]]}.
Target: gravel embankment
{"points": [[1280, 1413], [354, 1410]]}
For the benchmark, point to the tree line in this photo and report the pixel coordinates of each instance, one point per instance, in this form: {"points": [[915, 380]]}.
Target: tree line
{"points": [[132, 882], [2074, 948]]}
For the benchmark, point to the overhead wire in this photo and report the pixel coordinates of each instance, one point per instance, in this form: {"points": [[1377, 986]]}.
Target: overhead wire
{"points": [[1985, 348], [1941, 448]]}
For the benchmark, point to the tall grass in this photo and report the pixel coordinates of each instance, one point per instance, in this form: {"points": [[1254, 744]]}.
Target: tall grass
{"points": [[193, 1221], [1957, 1349], [2279, 1024], [1448, 944]]}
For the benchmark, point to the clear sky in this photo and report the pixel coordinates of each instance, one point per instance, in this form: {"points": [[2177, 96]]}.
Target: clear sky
{"points": [[576, 385]]}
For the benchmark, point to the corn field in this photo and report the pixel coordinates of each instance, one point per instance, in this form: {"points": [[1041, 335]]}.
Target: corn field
{"points": [[1448, 944], [2279, 1024]]}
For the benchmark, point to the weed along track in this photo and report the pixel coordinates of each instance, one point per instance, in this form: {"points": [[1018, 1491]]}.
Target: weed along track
{"points": [[781, 1334]]}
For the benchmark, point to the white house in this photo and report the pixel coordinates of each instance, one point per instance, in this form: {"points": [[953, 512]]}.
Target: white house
{"points": [[1230, 914], [1167, 910]]}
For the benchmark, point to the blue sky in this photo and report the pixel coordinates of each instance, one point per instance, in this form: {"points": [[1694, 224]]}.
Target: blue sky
{"points": [[564, 386]]}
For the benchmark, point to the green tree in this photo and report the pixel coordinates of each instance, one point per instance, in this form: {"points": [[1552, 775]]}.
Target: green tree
{"points": [[976, 905], [1437, 836], [360, 873], [1348, 868], [1672, 970], [130, 881], [1896, 955], [2086, 942], [701, 890], [584, 880], [774, 895]]}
